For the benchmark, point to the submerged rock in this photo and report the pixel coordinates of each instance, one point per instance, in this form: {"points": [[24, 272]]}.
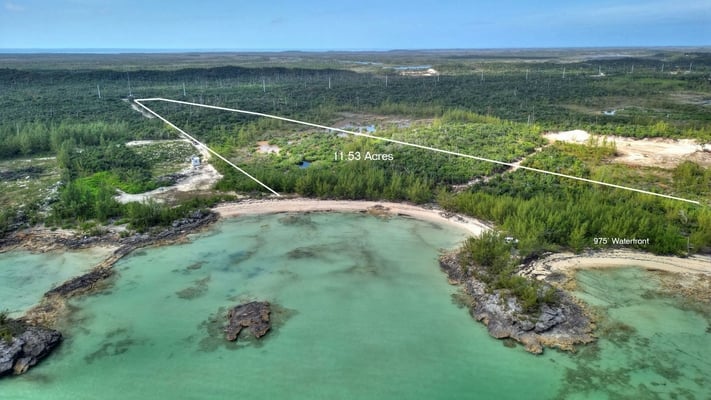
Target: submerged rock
{"points": [[25, 349], [82, 283], [253, 315]]}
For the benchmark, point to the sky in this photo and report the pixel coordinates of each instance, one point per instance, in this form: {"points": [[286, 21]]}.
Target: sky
{"points": [[351, 25]]}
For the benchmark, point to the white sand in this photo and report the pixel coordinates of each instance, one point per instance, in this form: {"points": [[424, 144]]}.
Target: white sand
{"points": [[200, 178], [252, 207], [657, 152], [563, 262], [560, 262], [149, 142]]}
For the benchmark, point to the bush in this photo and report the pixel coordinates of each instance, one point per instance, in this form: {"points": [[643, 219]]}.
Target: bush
{"points": [[497, 268]]}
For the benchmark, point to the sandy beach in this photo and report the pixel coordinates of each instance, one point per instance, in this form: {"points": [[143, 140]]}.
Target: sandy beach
{"points": [[562, 262], [252, 207], [559, 262]]}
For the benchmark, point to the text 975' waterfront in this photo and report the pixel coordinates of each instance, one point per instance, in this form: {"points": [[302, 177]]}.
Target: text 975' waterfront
{"points": [[621, 241]]}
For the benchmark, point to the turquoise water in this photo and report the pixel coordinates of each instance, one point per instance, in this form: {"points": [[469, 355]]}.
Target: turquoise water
{"points": [[652, 346], [26, 276], [360, 310]]}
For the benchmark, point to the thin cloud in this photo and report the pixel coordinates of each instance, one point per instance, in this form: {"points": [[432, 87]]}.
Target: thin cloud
{"points": [[13, 7]]}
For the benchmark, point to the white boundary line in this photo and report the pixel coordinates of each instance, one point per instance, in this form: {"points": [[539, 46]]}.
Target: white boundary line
{"points": [[398, 142], [201, 144]]}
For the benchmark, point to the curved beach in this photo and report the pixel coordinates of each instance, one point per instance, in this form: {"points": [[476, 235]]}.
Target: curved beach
{"points": [[254, 207], [555, 262], [560, 262]]}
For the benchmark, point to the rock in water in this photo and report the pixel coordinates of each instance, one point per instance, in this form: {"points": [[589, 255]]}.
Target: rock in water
{"points": [[253, 315], [26, 349], [562, 325]]}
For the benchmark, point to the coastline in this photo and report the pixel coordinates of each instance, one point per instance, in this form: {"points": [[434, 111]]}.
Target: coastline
{"points": [[557, 262], [303, 205], [552, 330], [567, 262]]}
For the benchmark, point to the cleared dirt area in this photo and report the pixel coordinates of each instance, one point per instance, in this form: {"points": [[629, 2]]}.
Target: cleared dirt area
{"points": [[347, 120], [265, 148], [24, 181], [657, 152], [150, 142], [195, 179]]}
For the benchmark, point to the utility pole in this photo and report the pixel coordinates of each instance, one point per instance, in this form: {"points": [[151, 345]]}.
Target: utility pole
{"points": [[563, 72], [386, 80], [662, 67], [264, 85], [128, 77], [329, 82], [184, 89], [98, 90]]}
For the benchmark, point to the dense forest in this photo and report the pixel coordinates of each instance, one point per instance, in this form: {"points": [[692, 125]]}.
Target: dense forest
{"points": [[488, 107]]}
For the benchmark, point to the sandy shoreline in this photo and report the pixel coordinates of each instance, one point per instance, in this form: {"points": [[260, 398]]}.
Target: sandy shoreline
{"points": [[559, 262], [254, 207], [562, 262]]}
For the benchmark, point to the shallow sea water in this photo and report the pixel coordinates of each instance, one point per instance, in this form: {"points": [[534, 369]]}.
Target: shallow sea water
{"points": [[360, 311], [26, 276]]}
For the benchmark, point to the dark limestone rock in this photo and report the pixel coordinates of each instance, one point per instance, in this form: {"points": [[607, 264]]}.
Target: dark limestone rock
{"points": [[253, 315], [27, 349], [549, 318], [561, 325], [9, 352], [81, 283]]}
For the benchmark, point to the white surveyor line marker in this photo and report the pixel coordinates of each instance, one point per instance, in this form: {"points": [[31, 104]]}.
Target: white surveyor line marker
{"points": [[577, 178], [200, 144]]}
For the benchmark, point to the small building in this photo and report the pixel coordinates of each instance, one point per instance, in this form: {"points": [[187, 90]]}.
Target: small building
{"points": [[195, 161]]}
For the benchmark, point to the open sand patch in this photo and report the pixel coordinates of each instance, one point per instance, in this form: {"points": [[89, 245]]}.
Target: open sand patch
{"points": [[651, 152], [266, 148]]}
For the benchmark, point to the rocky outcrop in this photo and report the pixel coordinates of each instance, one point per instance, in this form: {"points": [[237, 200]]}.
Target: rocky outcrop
{"points": [[253, 315], [24, 350], [52, 303], [44, 239], [562, 325], [29, 342], [82, 283]]}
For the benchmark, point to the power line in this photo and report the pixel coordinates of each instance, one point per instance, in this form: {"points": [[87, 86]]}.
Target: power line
{"points": [[454, 153], [200, 144]]}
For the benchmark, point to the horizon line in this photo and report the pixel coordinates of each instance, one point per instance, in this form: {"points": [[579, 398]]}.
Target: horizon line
{"points": [[139, 50]]}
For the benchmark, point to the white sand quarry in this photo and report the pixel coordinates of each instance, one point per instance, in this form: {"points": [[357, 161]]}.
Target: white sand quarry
{"points": [[658, 152]]}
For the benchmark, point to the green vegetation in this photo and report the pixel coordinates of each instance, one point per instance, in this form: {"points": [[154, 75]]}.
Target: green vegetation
{"points": [[489, 105], [545, 212], [494, 265], [8, 327]]}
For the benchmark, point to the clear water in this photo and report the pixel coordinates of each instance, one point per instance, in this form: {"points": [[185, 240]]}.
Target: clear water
{"points": [[26, 276], [652, 346], [361, 311]]}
